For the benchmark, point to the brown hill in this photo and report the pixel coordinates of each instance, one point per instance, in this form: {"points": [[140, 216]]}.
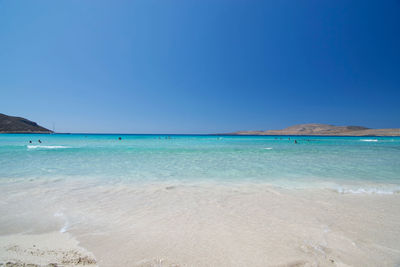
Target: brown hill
{"points": [[325, 129], [10, 124]]}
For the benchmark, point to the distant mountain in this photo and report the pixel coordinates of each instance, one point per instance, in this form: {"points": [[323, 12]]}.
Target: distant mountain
{"points": [[325, 129], [10, 124]]}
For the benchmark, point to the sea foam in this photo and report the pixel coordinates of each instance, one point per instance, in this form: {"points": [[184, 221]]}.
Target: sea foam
{"points": [[377, 191], [64, 228], [45, 147]]}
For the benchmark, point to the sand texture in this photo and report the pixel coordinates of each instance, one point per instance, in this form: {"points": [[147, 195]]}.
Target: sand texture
{"points": [[47, 249], [206, 224]]}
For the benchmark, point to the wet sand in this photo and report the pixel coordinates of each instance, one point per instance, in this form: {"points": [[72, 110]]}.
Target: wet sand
{"points": [[47, 249], [173, 224]]}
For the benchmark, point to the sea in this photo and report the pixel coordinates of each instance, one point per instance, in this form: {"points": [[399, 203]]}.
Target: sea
{"points": [[354, 165]]}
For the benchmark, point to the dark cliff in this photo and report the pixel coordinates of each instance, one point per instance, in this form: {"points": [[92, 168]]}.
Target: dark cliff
{"points": [[10, 124]]}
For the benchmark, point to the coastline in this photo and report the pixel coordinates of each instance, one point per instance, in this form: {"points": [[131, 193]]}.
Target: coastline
{"points": [[351, 134], [206, 224], [199, 200], [319, 129]]}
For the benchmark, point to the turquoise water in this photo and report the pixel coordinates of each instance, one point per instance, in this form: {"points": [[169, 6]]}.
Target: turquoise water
{"points": [[353, 163]]}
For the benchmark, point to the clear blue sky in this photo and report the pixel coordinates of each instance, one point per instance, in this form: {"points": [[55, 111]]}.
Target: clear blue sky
{"points": [[200, 66]]}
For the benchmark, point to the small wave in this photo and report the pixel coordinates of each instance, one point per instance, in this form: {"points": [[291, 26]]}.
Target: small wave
{"points": [[64, 228], [46, 147], [369, 140], [376, 191], [267, 148]]}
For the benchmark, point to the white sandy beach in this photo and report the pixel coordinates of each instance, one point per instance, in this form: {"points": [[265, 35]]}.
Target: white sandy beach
{"points": [[195, 225]]}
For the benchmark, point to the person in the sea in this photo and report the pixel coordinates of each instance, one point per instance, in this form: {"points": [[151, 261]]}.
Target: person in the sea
{"points": [[39, 141], [30, 141], [295, 141], [119, 138]]}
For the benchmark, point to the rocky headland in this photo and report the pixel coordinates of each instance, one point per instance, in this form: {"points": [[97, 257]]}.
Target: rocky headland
{"points": [[11, 124]]}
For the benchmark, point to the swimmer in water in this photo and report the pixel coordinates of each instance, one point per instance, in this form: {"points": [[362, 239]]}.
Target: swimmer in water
{"points": [[119, 138], [30, 141], [295, 141], [39, 141]]}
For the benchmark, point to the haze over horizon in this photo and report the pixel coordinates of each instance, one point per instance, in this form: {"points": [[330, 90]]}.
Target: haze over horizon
{"points": [[199, 66]]}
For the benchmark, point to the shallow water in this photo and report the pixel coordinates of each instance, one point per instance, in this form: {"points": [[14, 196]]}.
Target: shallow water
{"points": [[346, 164]]}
